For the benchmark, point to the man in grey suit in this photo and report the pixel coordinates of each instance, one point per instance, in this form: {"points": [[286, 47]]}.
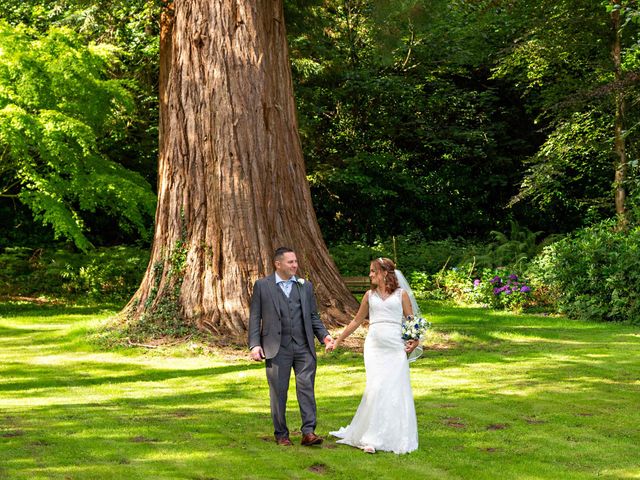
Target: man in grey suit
{"points": [[282, 323]]}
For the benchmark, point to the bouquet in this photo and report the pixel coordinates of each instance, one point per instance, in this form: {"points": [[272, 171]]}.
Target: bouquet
{"points": [[413, 328]]}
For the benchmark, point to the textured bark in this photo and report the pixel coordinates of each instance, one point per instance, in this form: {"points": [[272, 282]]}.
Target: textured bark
{"points": [[231, 181]]}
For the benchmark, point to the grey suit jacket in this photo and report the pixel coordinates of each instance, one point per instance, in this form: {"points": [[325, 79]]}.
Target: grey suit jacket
{"points": [[265, 327]]}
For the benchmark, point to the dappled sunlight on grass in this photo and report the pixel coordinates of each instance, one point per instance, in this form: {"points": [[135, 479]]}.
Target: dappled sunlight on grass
{"points": [[497, 396], [520, 337], [623, 473]]}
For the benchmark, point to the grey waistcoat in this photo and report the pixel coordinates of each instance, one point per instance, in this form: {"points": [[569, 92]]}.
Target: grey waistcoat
{"points": [[292, 324]]}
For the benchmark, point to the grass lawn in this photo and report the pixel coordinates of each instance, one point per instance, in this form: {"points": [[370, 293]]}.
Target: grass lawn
{"points": [[498, 396]]}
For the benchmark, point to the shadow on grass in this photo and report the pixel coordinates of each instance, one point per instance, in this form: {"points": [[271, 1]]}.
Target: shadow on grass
{"points": [[211, 435], [151, 438], [482, 329], [44, 377], [560, 394], [17, 332], [158, 437], [12, 309]]}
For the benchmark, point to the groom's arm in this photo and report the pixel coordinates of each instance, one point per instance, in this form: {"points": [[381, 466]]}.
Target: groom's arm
{"points": [[319, 329], [255, 317]]}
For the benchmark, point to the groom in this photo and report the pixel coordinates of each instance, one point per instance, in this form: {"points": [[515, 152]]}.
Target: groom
{"points": [[282, 323]]}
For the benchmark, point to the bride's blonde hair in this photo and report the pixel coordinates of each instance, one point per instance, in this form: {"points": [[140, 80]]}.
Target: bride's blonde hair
{"points": [[389, 268]]}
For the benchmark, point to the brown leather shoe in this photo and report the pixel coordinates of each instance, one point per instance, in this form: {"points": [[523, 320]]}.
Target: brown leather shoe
{"points": [[310, 439], [284, 441]]}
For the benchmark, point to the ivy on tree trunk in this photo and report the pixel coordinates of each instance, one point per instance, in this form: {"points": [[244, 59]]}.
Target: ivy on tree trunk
{"points": [[232, 185]]}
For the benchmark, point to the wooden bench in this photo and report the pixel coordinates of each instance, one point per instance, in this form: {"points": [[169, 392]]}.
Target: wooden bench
{"points": [[357, 284]]}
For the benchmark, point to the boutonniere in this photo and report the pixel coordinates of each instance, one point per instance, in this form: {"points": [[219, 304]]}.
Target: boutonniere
{"points": [[300, 281]]}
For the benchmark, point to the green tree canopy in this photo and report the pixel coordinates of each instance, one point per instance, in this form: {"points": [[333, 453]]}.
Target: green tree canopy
{"points": [[562, 61], [402, 127], [58, 110]]}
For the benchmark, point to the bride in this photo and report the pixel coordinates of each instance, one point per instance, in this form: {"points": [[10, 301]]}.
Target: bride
{"points": [[386, 417]]}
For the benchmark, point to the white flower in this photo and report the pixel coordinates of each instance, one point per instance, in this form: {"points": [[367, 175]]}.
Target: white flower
{"points": [[414, 328], [300, 281]]}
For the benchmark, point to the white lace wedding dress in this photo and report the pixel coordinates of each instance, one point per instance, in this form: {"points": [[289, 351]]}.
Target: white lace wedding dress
{"points": [[386, 417]]}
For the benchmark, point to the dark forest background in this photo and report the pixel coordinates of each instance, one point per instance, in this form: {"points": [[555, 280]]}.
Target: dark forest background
{"points": [[433, 131]]}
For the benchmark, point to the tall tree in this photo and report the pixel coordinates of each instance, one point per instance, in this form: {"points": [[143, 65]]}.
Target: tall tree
{"points": [[232, 182], [58, 111], [581, 78], [397, 110], [620, 163]]}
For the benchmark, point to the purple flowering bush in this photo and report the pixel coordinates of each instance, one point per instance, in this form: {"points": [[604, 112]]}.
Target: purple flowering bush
{"points": [[501, 289], [494, 288]]}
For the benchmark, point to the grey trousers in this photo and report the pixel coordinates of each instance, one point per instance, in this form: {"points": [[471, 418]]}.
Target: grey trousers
{"points": [[278, 374]]}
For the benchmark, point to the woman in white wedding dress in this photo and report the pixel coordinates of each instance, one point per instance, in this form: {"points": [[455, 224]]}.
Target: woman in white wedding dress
{"points": [[386, 417]]}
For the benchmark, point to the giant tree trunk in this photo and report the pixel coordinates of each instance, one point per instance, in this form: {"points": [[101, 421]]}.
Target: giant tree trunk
{"points": [[232, 183]]}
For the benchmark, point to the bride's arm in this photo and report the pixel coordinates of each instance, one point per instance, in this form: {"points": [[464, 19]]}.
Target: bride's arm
{"points": [[357, 320], [407, 310]]}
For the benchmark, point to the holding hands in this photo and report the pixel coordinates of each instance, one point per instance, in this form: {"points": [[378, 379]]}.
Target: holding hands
{"points": [[333, 346], [258, 355], [409, 346], [329, 343]]}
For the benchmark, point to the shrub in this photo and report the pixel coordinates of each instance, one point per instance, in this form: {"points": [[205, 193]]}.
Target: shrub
{"points": [[425, 287], [111, 273], [594, 273], [495, 288], [501, 288], [412, 254], [352, 259], [455, 282], [446, 269]]}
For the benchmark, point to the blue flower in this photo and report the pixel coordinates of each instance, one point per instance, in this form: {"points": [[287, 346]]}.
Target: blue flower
{"points": [[414, 327]]}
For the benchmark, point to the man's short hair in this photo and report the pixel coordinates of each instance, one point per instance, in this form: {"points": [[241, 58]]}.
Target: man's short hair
{"points": [[279, 253]]}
